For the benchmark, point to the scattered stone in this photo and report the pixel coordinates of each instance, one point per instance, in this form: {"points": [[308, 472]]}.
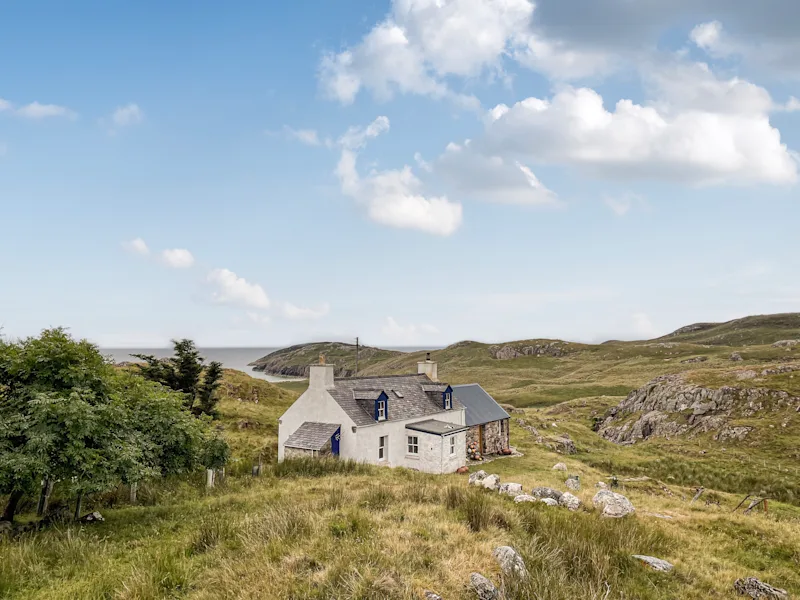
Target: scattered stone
{"points": [[569, 501], [550, 501], [573, 482], [511, 489], [736, 357], [477, 477], [750, 586], [565, 445], [484, 588], [601, 484], [491, 482], [747, 374], [510, 561], [614, 505], [429, 595], [92, 517], [656, 563], [785, 343], [545, 492], [525, 498], [462, 470], [695, 359], [559, 467]]}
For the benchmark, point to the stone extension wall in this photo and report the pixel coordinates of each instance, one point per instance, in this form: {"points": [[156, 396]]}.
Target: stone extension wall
{"points": [[303, 453], [495, 436]]}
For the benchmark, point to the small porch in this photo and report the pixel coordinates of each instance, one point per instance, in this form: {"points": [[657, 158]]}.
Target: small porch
{"points": [[313, 440]]}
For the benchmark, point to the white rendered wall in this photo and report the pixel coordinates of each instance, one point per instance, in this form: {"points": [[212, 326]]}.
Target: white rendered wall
{"points": [[316, 405]]}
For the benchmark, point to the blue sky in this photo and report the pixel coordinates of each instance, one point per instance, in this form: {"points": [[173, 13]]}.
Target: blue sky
{"points": [[412, 172]]}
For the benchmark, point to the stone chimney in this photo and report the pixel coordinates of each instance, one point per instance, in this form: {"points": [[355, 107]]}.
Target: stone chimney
{"points": [[320, 376], [428, 367]]}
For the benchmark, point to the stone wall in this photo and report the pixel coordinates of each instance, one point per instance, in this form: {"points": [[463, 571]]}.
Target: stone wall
{"points": [[303, 453], [495, 436]]}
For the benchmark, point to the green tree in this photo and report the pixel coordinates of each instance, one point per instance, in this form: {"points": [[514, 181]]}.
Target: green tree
{"points": [[182, 372]]}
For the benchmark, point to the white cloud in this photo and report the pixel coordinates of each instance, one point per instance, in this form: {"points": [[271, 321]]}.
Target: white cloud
{"points": [[792, 105], [407, 333], [723, 136], [643, 327], [491, 177], [258, 318], [5, 105], [707, 35], [293, 312], [305, 136], [232, 289], [558, 60], [393, 197], [422, 163], [621, 205], [137, 246], [177, 258], [125, 116], [37, 111]]}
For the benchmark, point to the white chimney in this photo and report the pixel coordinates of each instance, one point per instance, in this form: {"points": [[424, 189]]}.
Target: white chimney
{"points": [[320, 376], [429, 368]]}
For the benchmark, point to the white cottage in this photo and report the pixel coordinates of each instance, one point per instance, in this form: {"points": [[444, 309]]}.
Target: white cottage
{"points": [[409, 421]]}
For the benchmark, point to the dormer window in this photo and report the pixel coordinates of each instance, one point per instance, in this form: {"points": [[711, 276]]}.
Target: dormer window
{"points": [[381, 410], [448, 400]]}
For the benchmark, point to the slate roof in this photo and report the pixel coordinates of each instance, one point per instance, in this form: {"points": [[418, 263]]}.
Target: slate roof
{"points": [[366, 394], [414, 403], [481, 407], [436, 427], [311, 436]]}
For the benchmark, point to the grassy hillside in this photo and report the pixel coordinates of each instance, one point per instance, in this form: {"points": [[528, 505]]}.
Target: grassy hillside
{"points": [[295, 360], [755, 330]]}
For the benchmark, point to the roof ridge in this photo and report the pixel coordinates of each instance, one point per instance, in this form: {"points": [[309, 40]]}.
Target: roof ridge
{"points": [[380, 377]]}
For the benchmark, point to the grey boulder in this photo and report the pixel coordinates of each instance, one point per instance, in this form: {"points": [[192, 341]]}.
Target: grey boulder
{"points": [[545, 492], [612, 504], [569, 501], [550, 501], [510, 561], [484, 588], [525, 498], [656, 563], [511, 489], [491, 482], [476, 477], [750, 586], [559, 467]]}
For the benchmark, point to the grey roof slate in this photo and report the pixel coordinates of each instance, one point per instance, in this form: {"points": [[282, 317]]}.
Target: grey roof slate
{"points": [[434, 387], [367, 394], [481, 407], [436, 427], [311, 436], [414, 403]]}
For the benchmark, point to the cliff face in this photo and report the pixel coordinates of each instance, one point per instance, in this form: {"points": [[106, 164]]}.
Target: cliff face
{"points": [[669, 406]]}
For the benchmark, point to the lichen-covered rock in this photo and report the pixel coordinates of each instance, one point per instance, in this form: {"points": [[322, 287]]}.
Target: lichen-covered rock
{"points": [[484, 588], [525, 498], [510, 561], [565, 445], [429, 595], [573, 482], [550, 501], [569, 501], [545, 492], [559, 467], [613, 504], [750, 586], [656, 563], [736, 357], [477, 477], [491, 482], [511, 489], [785, 343], [92, 517]]}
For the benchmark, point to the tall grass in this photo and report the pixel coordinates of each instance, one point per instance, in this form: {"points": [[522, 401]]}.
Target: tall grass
{"points": [[317, 467]]}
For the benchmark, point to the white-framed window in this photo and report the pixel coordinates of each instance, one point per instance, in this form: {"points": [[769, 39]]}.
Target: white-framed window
{"points": [[448, 401], [413, 444], [452, 444], [382, 447], [381, 410]]}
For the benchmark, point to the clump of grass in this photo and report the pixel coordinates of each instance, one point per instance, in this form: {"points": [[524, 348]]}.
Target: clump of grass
{"points": [[453, 497], [318, 467], [353, 524], [164, 574], [421, 494], [276, 523], [212, 530], [334, 499], [481, 511], [377, 498]]}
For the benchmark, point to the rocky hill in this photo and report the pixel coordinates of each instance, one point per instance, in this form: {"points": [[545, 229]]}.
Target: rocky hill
{"points": [[754, 330], [295, 360]]}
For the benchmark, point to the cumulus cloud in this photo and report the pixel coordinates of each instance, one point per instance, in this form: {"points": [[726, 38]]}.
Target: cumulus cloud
{"points": [[177, 258], [5, 105], [723, 136], [293, 312], [235, 290], [406, 333], [37, 111], [393, 197], [258, 318], [125, 116], [491, 177], [308, 137], [136, 246]]}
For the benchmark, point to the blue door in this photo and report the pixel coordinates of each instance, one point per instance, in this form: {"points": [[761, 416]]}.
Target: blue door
{"points": [[335, 441]]}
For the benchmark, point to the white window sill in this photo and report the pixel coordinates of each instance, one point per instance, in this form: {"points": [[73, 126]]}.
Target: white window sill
{"points": [[413, 456]]}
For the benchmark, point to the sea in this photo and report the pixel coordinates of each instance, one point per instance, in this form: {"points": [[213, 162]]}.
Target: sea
{"points": [[231, 358]]}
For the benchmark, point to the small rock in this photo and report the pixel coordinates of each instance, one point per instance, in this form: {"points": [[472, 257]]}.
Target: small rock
{"points": [[429, 595], [510, 561], [695, 359], [569, 501], [511, 489], [601, 484], [559, 467], [736, 357], [491, 482], [573, 483], [545, 492], [656, 563], [550, 501], [746, 374], [525, 498], [477, 477], [92, 517], [614, 505], [483, 587], [750, 586]]}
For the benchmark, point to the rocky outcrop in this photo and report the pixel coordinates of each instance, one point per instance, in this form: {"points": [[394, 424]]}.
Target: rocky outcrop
{"points": [[612, 504], [565, 445], [509, 351], [295, 361], [668, 406], [657, 564], [785, 343], [736, 357], [752, 587]]}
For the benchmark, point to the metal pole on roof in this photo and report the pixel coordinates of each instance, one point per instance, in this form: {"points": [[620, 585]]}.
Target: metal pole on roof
{"points": [[356, 355]]}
